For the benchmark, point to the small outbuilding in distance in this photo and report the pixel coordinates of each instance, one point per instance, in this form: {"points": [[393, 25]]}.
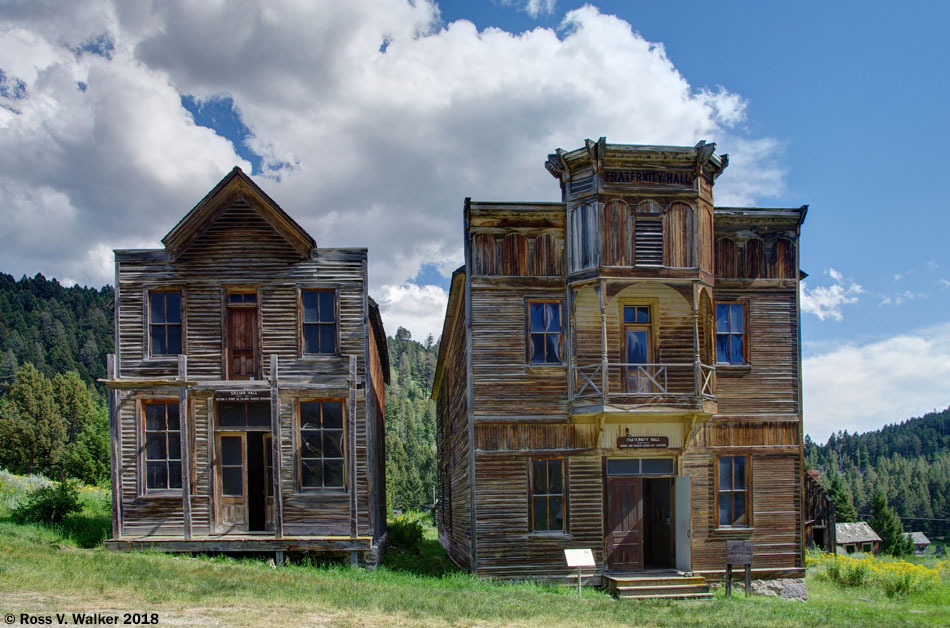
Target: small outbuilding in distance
{"points": [[856, 537]]}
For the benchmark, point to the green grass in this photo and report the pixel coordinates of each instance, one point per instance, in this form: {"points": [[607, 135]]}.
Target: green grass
{"points": [[45, 570]]}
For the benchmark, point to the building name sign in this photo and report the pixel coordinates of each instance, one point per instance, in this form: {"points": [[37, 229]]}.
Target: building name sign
{"points": [[643, 442], [242, 395], [649, 177]]}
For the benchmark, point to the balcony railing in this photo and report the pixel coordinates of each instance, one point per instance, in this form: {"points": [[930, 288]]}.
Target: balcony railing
{"points": [[615, 381]]}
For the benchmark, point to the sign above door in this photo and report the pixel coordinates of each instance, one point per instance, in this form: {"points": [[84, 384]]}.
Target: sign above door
{"points": [[643, 442]]}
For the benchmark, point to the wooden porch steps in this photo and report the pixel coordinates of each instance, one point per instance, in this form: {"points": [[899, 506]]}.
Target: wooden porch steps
{"points": [[664, 587]]}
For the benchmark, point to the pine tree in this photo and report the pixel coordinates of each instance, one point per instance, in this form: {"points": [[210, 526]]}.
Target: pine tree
{"points": [[33, 435], [888, 526]]}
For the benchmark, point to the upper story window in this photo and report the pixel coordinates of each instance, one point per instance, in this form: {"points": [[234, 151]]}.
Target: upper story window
{"points": [[319, 321], [544, 332], [321, 450], [733, 492], [547, 494], [585, 252], [162, 445], [730, 333], [164, 322]]}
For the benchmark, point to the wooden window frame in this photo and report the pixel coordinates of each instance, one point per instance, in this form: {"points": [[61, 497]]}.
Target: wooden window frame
{"points": [[748, 492], [529, 333], [302, 343], [147, 322], [143, 488], [298, 446], [745, 332], [563, 495]]}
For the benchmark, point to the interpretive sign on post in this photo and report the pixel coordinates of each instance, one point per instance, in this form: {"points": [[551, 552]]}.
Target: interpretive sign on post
{"points": [[739, 553], [579, 558]]}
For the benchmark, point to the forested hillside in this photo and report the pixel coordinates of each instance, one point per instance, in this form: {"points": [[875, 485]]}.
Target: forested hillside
{"points": [[54, 328], [410, 422], [908, 461]]}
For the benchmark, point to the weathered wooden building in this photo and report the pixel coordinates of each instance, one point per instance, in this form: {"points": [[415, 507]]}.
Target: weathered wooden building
{"points": [[621, 371], [247, 391]]}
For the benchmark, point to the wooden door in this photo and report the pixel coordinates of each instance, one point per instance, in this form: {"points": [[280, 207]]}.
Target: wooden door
{"points": [[242, 343], [624, 524], [638, 349], [231, 482]]}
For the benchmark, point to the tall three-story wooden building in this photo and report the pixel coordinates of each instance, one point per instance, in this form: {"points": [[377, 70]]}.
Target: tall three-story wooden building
{"points": [[247, 391], [621, 371]]}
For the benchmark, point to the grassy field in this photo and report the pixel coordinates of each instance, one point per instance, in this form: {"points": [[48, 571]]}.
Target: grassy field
{"points": [[45, 571]]}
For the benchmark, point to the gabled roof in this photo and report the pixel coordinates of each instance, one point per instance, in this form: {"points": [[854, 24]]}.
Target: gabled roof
{"points": [[918, 538], [859, 532], [236, 183]]}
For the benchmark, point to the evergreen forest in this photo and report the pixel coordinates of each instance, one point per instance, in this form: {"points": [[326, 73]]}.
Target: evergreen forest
{"points": [[909, 462]]}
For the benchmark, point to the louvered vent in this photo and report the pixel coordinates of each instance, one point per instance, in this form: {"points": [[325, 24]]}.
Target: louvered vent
{"points": [[585, 184], [648, 241]]}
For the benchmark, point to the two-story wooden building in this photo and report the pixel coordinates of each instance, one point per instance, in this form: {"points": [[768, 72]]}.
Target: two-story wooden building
{"points": [[621, 371], [247, 391]]}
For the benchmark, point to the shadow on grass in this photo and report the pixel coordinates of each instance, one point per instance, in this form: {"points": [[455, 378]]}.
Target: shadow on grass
{"points": [[83, 530], [428, 560]]}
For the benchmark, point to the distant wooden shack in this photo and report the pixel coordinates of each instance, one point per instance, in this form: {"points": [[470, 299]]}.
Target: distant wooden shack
{"points": [[247, 391], [857, 537], [920, 541], [621, 371], [819, 513]]}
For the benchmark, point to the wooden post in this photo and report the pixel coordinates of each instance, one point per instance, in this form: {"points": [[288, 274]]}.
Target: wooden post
{"points": [[185, 444], [739, 553], [604, 376], [351, 439], [115, 449], [279, 558], [275, 450]]}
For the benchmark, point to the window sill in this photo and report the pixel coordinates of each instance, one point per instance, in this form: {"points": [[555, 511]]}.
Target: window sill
{"points": [[163, 357], [733, 370], [736, 530], [319, 357], [549, 535], [552, 366], [317, 493], [173, 494]]}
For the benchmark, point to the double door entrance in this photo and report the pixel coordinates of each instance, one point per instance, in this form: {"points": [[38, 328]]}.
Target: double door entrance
{"points": [[244, 467], [647, 518]]}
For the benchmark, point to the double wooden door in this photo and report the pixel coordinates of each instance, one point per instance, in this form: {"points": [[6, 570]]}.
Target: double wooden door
{"points": [[625, 524]]}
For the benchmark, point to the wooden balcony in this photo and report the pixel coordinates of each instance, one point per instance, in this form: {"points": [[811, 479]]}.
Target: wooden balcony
{"points": [[673, 388]]}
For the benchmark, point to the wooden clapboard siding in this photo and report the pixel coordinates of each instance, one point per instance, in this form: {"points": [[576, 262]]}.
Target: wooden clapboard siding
{"points": [[454, 512], [771, 385], [237, 238], [503, 384]]}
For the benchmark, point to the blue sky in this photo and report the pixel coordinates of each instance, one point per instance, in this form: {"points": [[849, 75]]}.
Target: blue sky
{"points": [[115, 118]]}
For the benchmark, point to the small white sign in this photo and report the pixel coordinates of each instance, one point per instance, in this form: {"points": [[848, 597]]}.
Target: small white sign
{"points": [[579, 558]]}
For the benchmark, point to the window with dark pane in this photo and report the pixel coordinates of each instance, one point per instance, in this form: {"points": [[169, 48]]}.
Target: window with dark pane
{"points": [[730, 333], [544, 332], [164, 322], [321, 444], [162, 445], [243, 414], [319, 321], [232, 466], [547, 494], [733, 492]]}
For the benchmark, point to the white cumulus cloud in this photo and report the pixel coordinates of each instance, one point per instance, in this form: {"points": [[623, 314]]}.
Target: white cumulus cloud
{"points": [[825, 301], [860, 387]]}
